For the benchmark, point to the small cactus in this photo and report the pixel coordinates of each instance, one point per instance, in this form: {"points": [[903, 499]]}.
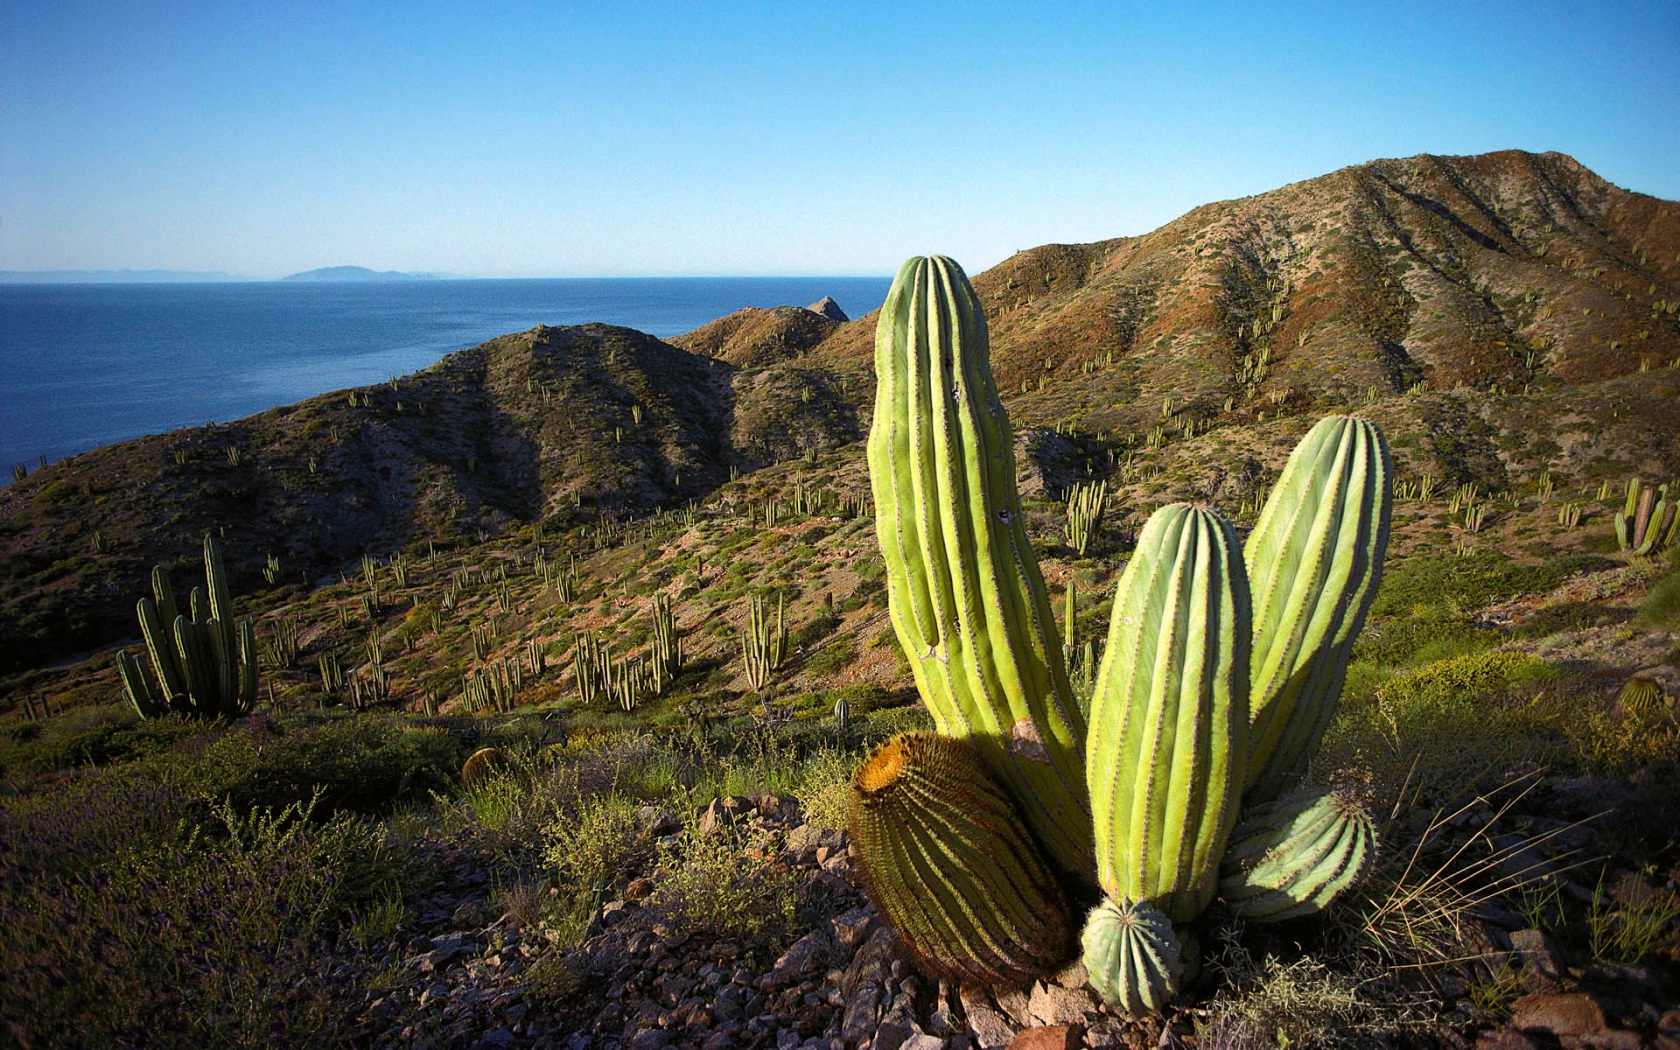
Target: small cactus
{"points": [[481, 765], [1132, 956], [1292, 857]]}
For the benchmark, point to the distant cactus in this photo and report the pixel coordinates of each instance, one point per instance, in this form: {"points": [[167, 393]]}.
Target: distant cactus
{"points": [[1084, 514], [1648, 520], [481, 765], [666, 656], [205, 665], [763, 646]]}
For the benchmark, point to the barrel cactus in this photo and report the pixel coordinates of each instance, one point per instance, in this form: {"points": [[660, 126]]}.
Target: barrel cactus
{"points": [[1292, 857], [481, 765], [945, 858], [1132, 956], [965, 594]]}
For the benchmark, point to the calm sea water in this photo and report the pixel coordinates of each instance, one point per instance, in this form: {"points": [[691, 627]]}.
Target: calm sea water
{"points": [[87, 365]]}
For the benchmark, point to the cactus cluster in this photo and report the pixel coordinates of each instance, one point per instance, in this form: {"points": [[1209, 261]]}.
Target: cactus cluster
{"points": [[763, 644], [1648, 520], [1222, 667], [205, 664], [1084, 514]]}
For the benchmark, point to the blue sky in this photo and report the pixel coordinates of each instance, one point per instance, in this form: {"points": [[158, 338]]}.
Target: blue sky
{"points": [[576, 139]]}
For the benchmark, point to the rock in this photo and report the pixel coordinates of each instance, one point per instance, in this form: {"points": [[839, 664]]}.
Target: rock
{"points": [[1015, 1003], [1505, 1039], [852, 927], [657, 821], [829, 309], [1542, 969], [1051, 1004], [724, 812], [990, 1027], [923, 1041], [467, 916], [651, 1039], [887, 1037], [1611, 1039], [806, 957], [1073, 975], [639, 889], [1574, 1013], [1050, 1037], [495, 1039]]}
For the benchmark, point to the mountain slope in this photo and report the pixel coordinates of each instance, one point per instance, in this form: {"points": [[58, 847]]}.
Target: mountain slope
{"points": [[1494, 312]]}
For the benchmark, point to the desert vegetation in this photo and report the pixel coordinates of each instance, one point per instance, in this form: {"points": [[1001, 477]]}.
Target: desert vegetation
{"points": [[642, 589]]}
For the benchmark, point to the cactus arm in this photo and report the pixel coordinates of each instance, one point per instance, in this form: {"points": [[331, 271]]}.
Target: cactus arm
{"points": [[160, 645], [138, 687], [1623, 540], [1314, 561], [965, 594], [196, 657], [221, 615], [1169, 717], [247, 698]]}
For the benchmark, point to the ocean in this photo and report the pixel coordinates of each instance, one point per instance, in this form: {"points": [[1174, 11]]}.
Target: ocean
{"points": [[92, 364]]}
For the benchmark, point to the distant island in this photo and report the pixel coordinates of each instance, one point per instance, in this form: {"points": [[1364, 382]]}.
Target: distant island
{"points": [[360, 273]]}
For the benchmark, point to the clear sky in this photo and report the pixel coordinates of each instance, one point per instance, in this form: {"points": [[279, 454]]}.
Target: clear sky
{"points": [[577, 139]]}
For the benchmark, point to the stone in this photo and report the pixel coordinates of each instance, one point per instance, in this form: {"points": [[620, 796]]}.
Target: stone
{"points": [[1050, 1037], [1505, 1039], [467, 916], [1015, 1003], [657, 821], [829, 309], [1073, 975], [1542, 969], [853, 926], [923, 1041], [887, 1037], [1611, 1039], [723, 813], [990, 1027], [1574, 1013], [1051, 1004], [639, 889], [807, 956], [651, 1039]]}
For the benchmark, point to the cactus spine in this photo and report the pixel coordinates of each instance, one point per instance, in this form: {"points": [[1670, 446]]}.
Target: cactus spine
{"points": [[946, 858], [1131, 955], [965, 594], [1292, 857], [1169, 718], [1314, 561], [205, 665]]}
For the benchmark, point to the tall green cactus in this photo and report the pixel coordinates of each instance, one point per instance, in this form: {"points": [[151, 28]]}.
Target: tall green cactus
{"points": [[1314, 561], [946, 859], [763, 646], [1169, 719], [965, 594], [206, 664]]}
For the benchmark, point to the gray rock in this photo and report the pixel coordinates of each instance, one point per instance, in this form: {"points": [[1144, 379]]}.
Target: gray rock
{"points": [[1543, 971], [808, 956], [651, 1039], [1051, 1004], [829, 309], [991, 1029]]}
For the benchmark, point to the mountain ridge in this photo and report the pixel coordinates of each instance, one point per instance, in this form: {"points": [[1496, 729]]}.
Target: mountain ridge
{"points": [[1487, 310]]}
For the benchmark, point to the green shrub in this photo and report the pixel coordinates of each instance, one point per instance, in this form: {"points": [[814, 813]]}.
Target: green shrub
{"points": [[1460, 584], [716, 887], [1661, 607]]}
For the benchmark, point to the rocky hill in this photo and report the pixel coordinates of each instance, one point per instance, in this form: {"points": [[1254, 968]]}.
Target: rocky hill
{"points": [[1504, 315]]}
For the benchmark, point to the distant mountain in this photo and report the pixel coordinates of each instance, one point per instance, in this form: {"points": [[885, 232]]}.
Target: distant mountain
{"points": [[360, 273], [118, 277]]}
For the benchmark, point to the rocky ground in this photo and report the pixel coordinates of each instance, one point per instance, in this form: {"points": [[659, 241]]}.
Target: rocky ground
{"points": [[464, 976]]}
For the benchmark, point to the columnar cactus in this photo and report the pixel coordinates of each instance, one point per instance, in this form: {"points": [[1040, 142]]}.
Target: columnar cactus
{"points": [[206, 664], [665, 658], [947, 860], [763, 646], [1314, 561], [1169, 718], [1292, 857], [1084, 514], [1649, 521], [965, 594]]}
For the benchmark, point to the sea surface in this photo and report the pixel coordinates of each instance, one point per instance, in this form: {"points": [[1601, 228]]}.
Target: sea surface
{"points": [[90, 364]]}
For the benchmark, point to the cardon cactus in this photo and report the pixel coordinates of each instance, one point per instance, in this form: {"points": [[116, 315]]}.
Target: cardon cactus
{"points": [[1131, 955], [945, 858], [1292, 857], [965, 594], [1314, 561], [1169, 718], [206, 664]]}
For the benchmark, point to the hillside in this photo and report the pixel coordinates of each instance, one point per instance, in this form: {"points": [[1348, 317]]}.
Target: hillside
{"points": [[662, 859], [1499, 312]]}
